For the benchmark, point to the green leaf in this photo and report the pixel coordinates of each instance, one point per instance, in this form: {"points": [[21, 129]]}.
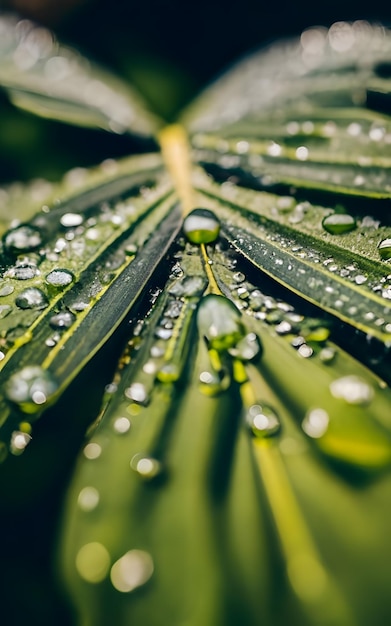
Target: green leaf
{"points": [[54, 81]]}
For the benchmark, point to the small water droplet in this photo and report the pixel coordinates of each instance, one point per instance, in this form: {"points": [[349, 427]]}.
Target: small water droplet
{"points": [[131, 571], [239, 277], [23, 238], [121, 425], [352, 389], [60, 278], [339, 223], [19, 442], [92, 451], [62, 320], [262, 420], [316, 423], [6, 290], [5, 309], [201, 226], [71, 219], [305, 351], [30, 388], [248, 348], [88, 499], [31, 298], [137, 392], [327, 355], [384, 248], [146, 466]]}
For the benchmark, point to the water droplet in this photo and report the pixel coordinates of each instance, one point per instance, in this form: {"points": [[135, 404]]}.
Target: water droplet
{"points": [[31, 298], [352, 389], [92, 451], [121, 425], [146, 466], [93, 562], [339, 223], [315, 423], [327, 355], [384, 248], [262, 420], [168, 373], [163, 333], [132, 570], [239, 277], [5, 309], [201, 226], [6, 290], [71, 219], [19, 442], [22, 238], [213, 383], [305, 351], [23, 272], [219, 321], [62, 320], [137, 392], [59, 278], [88, 499], [31, 388]]}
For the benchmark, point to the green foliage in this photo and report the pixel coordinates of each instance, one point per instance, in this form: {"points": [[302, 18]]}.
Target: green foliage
{"points": [[237, 470]]}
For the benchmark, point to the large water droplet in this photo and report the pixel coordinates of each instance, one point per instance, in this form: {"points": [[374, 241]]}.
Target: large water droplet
{"points": [[23, 272], [31, 298], [59, 278], [384, 248], [201, 226], [22, 238], [219, 322], [132, 570], [262, 420], [31, 388], [339, 223]]}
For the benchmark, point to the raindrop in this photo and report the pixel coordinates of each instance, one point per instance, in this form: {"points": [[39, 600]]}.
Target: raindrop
{"points": [[6, 290], [262, 420], [327, 355], [201, 226], [92, 451], [60, 278], [352, 389], [62, 320], [23, 272], [30, 388], [22, 238], [31, 298], [315, 423], [305, 351], [132, 570], [384, 248], [219, 322], [339, 223]]}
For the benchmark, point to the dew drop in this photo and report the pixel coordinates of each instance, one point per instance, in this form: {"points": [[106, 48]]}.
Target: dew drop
{"points": [[219, 322], [262, 420], [59, 278], [121, 425], [92, 451], [31, 298], [352, 389], [384, 248], [132, 570], [201, 226], [23, 272], [6, 290], [22, 238], [31, 388], [339, 223], [5, 309], [71, 219]]}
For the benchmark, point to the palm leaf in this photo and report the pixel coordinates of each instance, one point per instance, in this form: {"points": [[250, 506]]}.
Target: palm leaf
{"points": [[239, 469]]}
